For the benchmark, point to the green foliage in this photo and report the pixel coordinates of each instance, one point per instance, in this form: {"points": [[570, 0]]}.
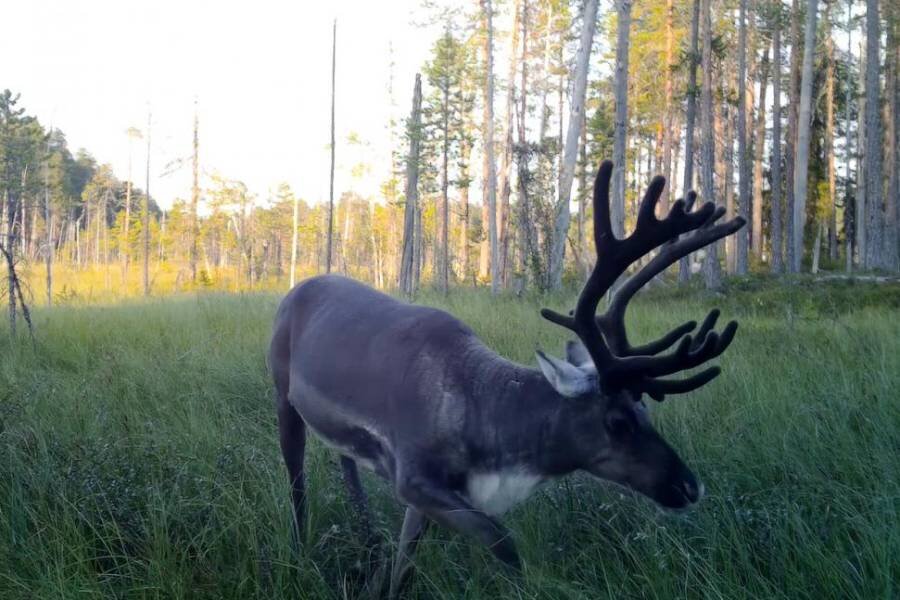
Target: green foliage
{"points": [[140, 459]]}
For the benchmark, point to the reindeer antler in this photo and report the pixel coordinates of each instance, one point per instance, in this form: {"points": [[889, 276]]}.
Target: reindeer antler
{"points": [[619, 364]]}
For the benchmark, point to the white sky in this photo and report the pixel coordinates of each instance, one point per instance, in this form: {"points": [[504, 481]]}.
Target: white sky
{"points": [[260, 71]]}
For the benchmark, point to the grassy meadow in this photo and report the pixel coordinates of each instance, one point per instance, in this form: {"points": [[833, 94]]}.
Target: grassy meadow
{"points": [[139, 459]]}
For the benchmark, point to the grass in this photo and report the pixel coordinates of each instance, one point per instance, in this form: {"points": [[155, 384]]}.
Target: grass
{"points": [[139, 459]]}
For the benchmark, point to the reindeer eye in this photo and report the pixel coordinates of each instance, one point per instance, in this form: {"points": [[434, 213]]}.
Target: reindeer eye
{"points": [[618, 425]]}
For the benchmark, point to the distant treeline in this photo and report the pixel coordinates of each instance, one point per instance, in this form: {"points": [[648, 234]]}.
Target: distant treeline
{"points": [[763, 107]]}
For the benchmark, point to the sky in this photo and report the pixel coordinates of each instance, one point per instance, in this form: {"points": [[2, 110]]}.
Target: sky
{"points": [[259, 71]]}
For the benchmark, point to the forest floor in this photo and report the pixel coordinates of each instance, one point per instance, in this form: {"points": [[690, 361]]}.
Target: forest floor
{"points": [[139, 459]]}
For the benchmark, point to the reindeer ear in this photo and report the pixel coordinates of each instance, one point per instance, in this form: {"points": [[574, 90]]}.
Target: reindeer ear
{"points": [[567, 379], [577, 354]]}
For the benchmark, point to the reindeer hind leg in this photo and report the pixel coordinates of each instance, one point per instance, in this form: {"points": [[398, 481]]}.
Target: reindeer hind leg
{"points": [[358, 499], [292, 435]]}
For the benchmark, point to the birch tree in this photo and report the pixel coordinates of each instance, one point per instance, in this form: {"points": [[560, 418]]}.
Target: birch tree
{"points": [[570, 153], [623, 36], [684, 264], [712, 271], [758, 153], [490, 183]]}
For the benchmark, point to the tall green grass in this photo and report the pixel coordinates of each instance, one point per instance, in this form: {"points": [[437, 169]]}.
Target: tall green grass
{"points": [[139, 459]]}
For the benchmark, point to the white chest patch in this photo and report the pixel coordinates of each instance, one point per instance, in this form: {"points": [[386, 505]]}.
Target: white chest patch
{"points": [[498, 491]]}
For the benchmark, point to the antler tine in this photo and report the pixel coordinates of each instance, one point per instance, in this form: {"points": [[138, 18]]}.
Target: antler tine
{"points": [[612, 322], [658, 388]]}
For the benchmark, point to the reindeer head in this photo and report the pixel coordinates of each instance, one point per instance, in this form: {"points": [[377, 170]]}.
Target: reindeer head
{"points": [[607, 376]]}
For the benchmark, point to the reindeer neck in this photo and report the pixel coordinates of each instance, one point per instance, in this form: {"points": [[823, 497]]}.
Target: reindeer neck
{"points": [[519, 418]]}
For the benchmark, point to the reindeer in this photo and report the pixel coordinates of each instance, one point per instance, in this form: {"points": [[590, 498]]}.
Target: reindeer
{"points": [[462, 434]]}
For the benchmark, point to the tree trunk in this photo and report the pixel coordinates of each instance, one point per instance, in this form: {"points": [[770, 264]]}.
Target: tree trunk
{"points": [[490, 190], [684, 264], [743, 151], [759, 151], [668, 126], [126, 246], [442, 250], [195, 199], [295, 225], [725, 174], [776, 216], [583, 194], [793, 116], [892, 202], [817, 247], [330, 239], [862, 208], [849, 201], [712, 272], [506, 164], [829, 134], [874, 223], [409, 256], [11, 211], [146, 215], [801, 168], [623, 12], [570, 154], [465, 153]]}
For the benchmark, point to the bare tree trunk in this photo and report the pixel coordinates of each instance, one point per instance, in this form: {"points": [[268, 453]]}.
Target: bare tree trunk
{"points": [[570, 154], [668, 125], [793, 117], [759, 151], [195, 198], [817, 247], [48, 224], [861, 188], [743, 151], [684, 264], [801, 168], [776, 217], [892, 223], [623, 12], [725, 174], [582, 201], [330, 239], [875, 225], [11, 211], [465, 153], [442, 252], [146, 215], [849, 217], [410, 258], [490, 191], [295, 225], [506, 164], [712, 272], [829, 134]]}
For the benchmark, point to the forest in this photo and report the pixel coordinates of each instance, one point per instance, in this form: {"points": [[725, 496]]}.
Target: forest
{"points": [[785, 114], [138, 422]]}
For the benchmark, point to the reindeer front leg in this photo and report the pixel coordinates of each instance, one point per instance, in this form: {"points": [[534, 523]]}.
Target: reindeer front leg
{"points": [[448, 508], [414, 525]]}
